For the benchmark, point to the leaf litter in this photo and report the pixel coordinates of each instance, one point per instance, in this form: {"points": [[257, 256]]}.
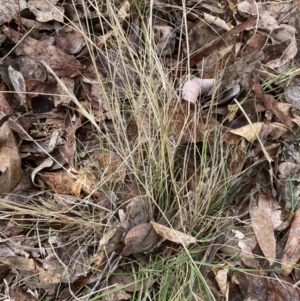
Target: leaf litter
{"points": [[113, 136]]}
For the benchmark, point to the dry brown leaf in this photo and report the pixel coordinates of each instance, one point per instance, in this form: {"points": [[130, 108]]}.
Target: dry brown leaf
{"points": [[238, 160], [286, 33], [166, 43], [263, 229], [271, 104], [84, 182], [10, 9], [292, 93], [46, 10], [138, 211], [186, 127], [173, 235], [19, 263], [68, 148], [271, 207], [13, 121], [220, 42], [232, 75], [247, 257], [69, 39], [251, 131], [140, 239], [18, 82], [61, 63], [58, 182], [111, 167], [18, 293], [221, 276], [291, 252], [10, 160]]}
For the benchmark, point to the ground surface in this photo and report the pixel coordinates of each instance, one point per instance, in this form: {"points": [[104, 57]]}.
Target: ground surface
{"points": [[149, 150]]}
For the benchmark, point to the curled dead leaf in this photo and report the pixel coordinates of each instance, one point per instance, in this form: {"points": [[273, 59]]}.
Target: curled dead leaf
{"points": [[173, 235], [10, 160], [140, 239]]}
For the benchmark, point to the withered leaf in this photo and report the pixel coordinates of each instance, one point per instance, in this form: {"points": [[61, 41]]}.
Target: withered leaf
{"points": [[112, 167], [18, 293], [20, 263], [263, 229], [61, 63], [139, 239], [291, 253], [10, 9], [270, 104], [18, 82], [46, 10], [190, 127], [226, 39], [10, 160], [173, 235], [138, 211]]}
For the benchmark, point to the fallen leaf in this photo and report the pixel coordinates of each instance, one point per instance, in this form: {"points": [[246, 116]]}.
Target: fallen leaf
{"points": [[263, 229], [187, 127], [251, 131], [18, 293], [238, 159], [20, 263], [140, 239], [67, 149], [10, 9], [221, 41], [292, 93], [111, 167], [18, 82], [290, 51], [271, 105], [58, 182], [173, 235], [247, 257], [271, 207], [10, 160], [166, 41], [61, 63], [221, 276], [138, 211], [46, 10], [216, 21], [70, 39], [291, 252]]}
